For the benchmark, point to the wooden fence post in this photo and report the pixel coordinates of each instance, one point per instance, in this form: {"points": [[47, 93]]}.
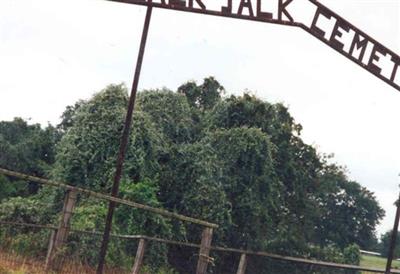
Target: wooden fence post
{"points": [[205, 245], [139, 256], [61, 234], [242, 264], [50, 247]]}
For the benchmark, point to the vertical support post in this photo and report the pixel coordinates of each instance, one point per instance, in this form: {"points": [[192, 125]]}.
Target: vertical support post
{"points": [[124, 143], [393, 238], [205, 245], [63, 229], [242, 264], [139, 257], [50, 247]]}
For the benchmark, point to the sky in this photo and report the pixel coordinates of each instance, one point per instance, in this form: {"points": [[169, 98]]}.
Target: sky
{"points": [[53, 53]]}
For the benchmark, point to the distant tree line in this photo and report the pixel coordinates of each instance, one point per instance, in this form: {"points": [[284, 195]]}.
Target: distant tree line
{"points": [[237, 161]]}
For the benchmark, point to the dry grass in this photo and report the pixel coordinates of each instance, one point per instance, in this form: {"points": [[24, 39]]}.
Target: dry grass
{"points": [[11, 263]]}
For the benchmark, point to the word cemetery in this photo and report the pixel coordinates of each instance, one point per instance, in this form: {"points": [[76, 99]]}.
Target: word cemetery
{"points": [[356, 45]]}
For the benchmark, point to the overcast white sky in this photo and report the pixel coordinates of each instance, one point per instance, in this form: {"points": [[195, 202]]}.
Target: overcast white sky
{"points": [[54, 52]]}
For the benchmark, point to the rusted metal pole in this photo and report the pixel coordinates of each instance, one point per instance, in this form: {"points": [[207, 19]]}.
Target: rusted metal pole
{"points": [[124, 142], [393, 239], [139, 256]]}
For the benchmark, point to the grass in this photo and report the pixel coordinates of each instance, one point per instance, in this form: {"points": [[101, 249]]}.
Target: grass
{"points": [[377, 262], [12, 263]]}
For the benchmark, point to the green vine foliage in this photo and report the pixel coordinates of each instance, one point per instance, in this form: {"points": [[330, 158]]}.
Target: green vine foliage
{"points": [[237, 161]]}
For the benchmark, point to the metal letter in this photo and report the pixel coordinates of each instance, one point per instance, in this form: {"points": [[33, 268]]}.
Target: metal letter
{"points": [[360, 44], [245, 4], [261, 14], [177, 3], [374, 57], [201, 4], [337, 33], [282, 10], [316, 30], [396, 61], [227, 9]]}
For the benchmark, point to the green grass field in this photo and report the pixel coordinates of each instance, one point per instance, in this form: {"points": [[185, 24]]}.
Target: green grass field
{"points": [[377, 262]]}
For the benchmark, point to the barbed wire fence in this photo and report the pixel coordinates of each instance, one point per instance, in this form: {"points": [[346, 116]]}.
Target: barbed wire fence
{"points": [[53, 255]]}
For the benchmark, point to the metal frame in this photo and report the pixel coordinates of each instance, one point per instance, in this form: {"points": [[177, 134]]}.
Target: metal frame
{"points": [[360, 42]]}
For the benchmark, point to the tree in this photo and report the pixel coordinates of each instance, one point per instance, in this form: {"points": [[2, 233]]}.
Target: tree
{"points": [[190, 186], [349, 213], [385, 244], [86, 156], [170, 111], [250, 183], [296, 164], [87, 152], [238, 161], [68, 116], [286, 217], [25, 148], [205, 96]]}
